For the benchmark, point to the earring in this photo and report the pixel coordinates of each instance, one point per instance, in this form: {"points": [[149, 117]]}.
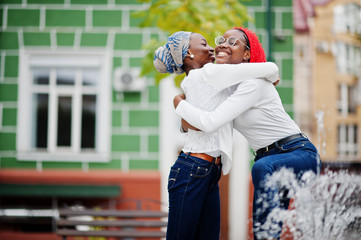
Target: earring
{"points": [[192, 56]]}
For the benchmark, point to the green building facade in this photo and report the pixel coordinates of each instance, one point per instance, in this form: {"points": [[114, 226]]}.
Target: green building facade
{"points": [[64, 98]]}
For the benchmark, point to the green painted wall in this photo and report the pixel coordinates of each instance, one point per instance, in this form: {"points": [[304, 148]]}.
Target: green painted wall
{"points": [[90, 24], [281, 41], [84, 24]]}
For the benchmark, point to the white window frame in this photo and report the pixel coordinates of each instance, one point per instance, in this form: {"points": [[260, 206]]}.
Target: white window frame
{"points": [[347, 18], [339, 18], [347, 99], [357, 64], [341, 60], [347, 147], [348, 59], [58, 58], [343, 99], [358, 90]]}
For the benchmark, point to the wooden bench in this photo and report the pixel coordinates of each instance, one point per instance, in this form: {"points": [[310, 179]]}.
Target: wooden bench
{"points": [[112, 223]]}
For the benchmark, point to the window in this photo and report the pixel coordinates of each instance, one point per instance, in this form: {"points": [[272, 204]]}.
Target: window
{"points": [[357, 62], [347, 101], [347, 142], [63, 107], [348, 59], [341, 60], [347, 18]]}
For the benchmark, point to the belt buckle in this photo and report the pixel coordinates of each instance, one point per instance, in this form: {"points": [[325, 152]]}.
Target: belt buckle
{"points": [[266, 149]]}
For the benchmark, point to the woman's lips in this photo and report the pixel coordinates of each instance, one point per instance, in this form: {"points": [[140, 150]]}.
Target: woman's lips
{"points": [[222, 54]]}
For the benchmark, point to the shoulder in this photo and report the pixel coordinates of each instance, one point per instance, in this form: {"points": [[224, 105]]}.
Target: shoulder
{"points": [[195, 79], [256, 85], [209, 66], [259, 82], [212, 67], [256, 82]]}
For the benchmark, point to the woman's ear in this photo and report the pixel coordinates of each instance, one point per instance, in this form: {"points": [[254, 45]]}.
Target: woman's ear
{"points": [[190, 54], [247, 56]]}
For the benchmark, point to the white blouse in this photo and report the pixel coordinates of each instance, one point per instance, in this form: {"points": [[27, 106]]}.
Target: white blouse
{"points": [[205, 90], [255, 108]]}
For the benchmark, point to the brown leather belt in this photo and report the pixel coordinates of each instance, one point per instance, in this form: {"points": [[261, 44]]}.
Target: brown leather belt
{"points": [[279, 142], [206, 157]]}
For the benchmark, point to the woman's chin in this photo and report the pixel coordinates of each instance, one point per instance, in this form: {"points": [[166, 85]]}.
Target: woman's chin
{"points": [[221, 61]]}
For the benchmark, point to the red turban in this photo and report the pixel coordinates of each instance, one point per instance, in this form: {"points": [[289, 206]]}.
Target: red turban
{"points": [[257, 52]]}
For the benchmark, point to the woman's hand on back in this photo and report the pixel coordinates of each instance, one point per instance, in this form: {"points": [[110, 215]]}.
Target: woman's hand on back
{"points": [[177, 99], [186, 126], [276, 82]]}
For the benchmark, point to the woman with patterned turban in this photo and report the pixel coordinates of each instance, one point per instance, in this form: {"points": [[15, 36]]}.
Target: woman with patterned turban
{"points": [[256, 111], [194, 204]]}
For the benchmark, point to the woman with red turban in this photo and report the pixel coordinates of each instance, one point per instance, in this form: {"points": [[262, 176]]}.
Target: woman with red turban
{"points": [[257, 113], [194, 204]]}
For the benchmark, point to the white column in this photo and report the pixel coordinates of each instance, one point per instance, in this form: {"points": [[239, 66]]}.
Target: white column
{"points": [[170, 137], [239, 188]]}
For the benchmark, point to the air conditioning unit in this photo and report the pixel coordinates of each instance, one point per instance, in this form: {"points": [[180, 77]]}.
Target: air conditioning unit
{"points": [[323, 47], [128, 80]]}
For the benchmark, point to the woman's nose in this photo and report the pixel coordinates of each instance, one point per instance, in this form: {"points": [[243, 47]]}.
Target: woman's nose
{"points": [[222, 45]]}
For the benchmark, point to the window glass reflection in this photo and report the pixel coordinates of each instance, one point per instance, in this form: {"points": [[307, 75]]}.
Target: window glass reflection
{"points": [[88, 122], [41, 76], [40, 120], [64, 121], [90, 77], [65, 76]]}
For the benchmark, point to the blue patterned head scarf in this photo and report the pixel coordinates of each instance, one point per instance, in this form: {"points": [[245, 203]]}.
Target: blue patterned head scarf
{"points": [[169, 57]]}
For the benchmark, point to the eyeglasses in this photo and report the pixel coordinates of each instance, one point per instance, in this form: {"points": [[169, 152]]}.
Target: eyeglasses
{"points": [[231, 41]]}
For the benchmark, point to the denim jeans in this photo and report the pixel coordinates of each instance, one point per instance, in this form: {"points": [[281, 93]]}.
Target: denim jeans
{"points": [[194, 203], [299, 156]]}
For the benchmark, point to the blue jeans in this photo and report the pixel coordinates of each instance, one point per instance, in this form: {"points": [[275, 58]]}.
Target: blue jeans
{"points": [[299, 156], [194, 203]]}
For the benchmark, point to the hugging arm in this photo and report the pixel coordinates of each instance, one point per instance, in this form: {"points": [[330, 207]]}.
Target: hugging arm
{"points": [[185, 125], [222, 76], [247, 95]]}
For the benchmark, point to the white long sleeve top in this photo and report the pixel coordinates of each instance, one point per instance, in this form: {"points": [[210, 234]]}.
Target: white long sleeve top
{"points": [[255, 108], [206, 97]]}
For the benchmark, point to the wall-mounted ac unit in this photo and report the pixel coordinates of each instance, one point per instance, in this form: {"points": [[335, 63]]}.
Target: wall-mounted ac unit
{"points": [[323, 47], [128, 80]]}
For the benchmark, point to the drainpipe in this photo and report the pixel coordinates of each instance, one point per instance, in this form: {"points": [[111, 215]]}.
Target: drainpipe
{"points": [[269, 30]]}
